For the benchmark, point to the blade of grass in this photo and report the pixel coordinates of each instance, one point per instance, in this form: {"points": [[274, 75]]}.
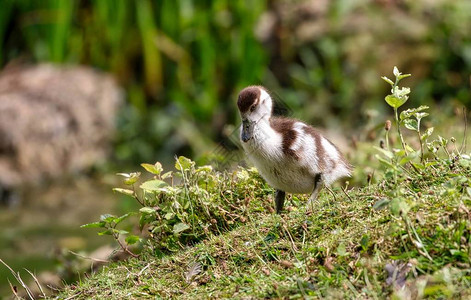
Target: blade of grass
{"points": [[60, 29], [152, 59], [18, 278], [5, 14]]}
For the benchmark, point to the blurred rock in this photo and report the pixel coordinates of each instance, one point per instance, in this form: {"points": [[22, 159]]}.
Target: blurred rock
{"points": [[53, 121]]}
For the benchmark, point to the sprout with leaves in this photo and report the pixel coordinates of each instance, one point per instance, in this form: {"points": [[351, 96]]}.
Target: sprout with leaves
{"points": [[109, 223], [396, 159], [397, 98], [410, 118]]}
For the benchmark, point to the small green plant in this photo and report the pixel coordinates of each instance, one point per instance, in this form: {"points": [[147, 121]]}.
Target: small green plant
{"points": [[182, 207], [395, 160], [403, 164], [410, 119], [397, 98], [108, 223]]}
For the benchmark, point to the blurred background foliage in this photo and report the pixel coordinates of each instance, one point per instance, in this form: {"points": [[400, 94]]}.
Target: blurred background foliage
{"points": [[183, 62]]}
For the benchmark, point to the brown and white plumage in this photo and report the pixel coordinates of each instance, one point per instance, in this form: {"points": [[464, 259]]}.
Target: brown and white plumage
{"points": [[290, 155]]}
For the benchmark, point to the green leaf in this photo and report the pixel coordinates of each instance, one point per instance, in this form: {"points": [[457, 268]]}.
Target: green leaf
{"points": [[407, 158], [107, 218], [401, 92], [442, 141], [380, 204], [106, 232], [385, 152], [154, 169], [169, 215], [132, 239], [394, 102], [427, 134], [395, 206], [386, 163], [179, 227], [365, 242], [130, 178], [402, 76], [206, 169], [418, 166], [404, 114], [411, 111], [404, 207], [431, 163], [94, 225], [399, 205], [184, 163], [387, 80], [153, 185], [411, 124], [341, 250], [123, 217], [400, 152], [396, 71], [118, 231], [167, 175], [465, 163], [147, 210], [409, 148], [142, 221], [124, 192], [420, 115]]}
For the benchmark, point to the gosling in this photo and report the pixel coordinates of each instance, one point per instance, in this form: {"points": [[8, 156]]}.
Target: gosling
{"points": [[291, 156]]}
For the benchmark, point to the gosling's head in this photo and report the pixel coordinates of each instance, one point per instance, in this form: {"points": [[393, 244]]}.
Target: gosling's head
{"points": [[255, 105]]}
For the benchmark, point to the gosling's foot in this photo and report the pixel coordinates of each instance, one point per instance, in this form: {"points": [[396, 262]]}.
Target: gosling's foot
{"points": [[279, 200]]}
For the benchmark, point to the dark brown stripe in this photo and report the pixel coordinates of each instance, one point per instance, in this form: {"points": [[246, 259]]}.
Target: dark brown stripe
{"points": [[332, 163], [320, 151], [285, 128], [248, 97]]}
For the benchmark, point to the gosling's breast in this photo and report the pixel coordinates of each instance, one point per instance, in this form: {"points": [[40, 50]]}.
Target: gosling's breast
{"points": [[288, 177]]}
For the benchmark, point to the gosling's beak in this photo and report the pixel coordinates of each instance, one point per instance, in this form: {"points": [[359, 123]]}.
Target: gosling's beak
{"points": [[247, 130]]}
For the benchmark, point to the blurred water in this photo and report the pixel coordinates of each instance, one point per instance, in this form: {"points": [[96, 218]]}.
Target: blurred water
{"points": [[46, 224]]}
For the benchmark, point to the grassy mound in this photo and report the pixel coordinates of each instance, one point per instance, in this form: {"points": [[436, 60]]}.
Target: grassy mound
{"points": [[407, 236]]}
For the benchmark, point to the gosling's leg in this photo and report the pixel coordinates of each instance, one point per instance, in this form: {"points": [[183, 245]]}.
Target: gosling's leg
{"points": [[279, 200], [318, 184]]}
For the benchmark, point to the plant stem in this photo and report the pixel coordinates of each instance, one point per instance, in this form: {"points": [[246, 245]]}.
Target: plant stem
{"points": [[123, 247], [409, 227], [421, 148], [187, 194], [402, 138], [399, 131], [137, 198]]}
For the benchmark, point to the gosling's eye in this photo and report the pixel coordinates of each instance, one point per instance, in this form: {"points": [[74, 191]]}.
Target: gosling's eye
{"points": [[252, 108]]}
